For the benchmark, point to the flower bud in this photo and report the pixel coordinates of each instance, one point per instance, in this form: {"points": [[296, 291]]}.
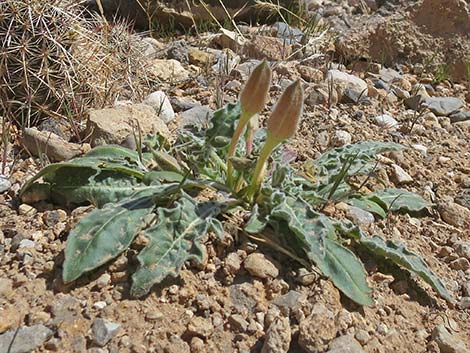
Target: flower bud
{"points": [[285, 117], [254, 95]]}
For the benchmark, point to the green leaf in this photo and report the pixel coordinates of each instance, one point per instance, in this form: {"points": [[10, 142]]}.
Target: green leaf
{"points": [[336, 262], [398, 254], [367, 203], [400, 200], [175, 239], [330, 164], [103, 234], [223, 126]]}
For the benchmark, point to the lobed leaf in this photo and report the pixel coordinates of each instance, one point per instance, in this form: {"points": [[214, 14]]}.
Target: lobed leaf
{"points": [[335, 261], [103, 234], [398, 254], [223, 126], [175, 239]]}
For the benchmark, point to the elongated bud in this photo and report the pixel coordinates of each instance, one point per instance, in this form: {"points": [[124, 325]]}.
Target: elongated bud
{"points": [[285, 117], [254, 95]]}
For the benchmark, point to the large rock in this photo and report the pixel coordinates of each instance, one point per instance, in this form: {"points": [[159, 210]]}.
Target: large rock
{"points": [[349, 87], [448, 343], [25, 339], [436, 29], [113, 125], [176, 12]]}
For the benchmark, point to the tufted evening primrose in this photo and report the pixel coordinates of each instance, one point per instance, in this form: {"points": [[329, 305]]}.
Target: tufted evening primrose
{"points": [[252, 101], [282, 125]]}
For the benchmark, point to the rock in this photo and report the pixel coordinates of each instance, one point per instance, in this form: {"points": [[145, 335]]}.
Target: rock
{"points": [[460, 264], [100, 305], [177, 50], [386, 121], [264, 47], [168, 70], [278, 336], [462, 249], [465, 303], [436, 29], [9, 318], [25, 339], [290, 35], [447, 343], [310, 74], [400, 176], [176, 345], [459, 116], [349, 87], [291, 300], [443, 106], [40, 143], [454, 214], [103, 331], [65, 308], [317, 330], [5, 184], [199, 326], [359, 216], [232, 263], [26, 210], [238, 323], [305, 277], [197, 116], [466, 288], [229, 39], [113, 125], [6, 288], [200, 57], [26, 243], [259, 266], [341, 138], [161, 104], [103, 280], [362, 336], [345, 344]]}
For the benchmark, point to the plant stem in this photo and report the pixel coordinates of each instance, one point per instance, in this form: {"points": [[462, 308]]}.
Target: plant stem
{"points": [[244, 119], [260, 169]]}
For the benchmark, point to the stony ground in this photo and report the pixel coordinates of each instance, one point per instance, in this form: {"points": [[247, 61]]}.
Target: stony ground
{"points": [[244, 297]]}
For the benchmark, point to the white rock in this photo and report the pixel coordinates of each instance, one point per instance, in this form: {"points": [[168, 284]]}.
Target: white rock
{"points": [[168, 70], [420, 148], [386, 121], [341, 138], [161, 104], [100, 305], [347, 86], [401, 177], [103, 331]]}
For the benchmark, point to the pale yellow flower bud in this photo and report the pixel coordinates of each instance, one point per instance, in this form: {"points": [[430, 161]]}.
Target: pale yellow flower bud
{"points": [[285, 117], [255, 93]]}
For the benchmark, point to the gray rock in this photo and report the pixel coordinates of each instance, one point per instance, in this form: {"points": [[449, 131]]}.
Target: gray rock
{"points": [[64, 308], [278, 336], [161, 104], [239, 294], [26, 243], [291, 300], [358, 216], [258, 265], [386, 121], [466, 289], [463, 198], [197, 116], [103, 331], [5, 184], [290, 35], [388, 75], [348, 87], [447, 343], [465, 303], [459, 116], [462, 249], [345, 344], [443, 106], [238, 323], [25, 339]]}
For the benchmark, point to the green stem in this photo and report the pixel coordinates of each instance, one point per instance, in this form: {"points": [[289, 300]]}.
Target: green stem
{"points": [[244, 119], [260, 169]]}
